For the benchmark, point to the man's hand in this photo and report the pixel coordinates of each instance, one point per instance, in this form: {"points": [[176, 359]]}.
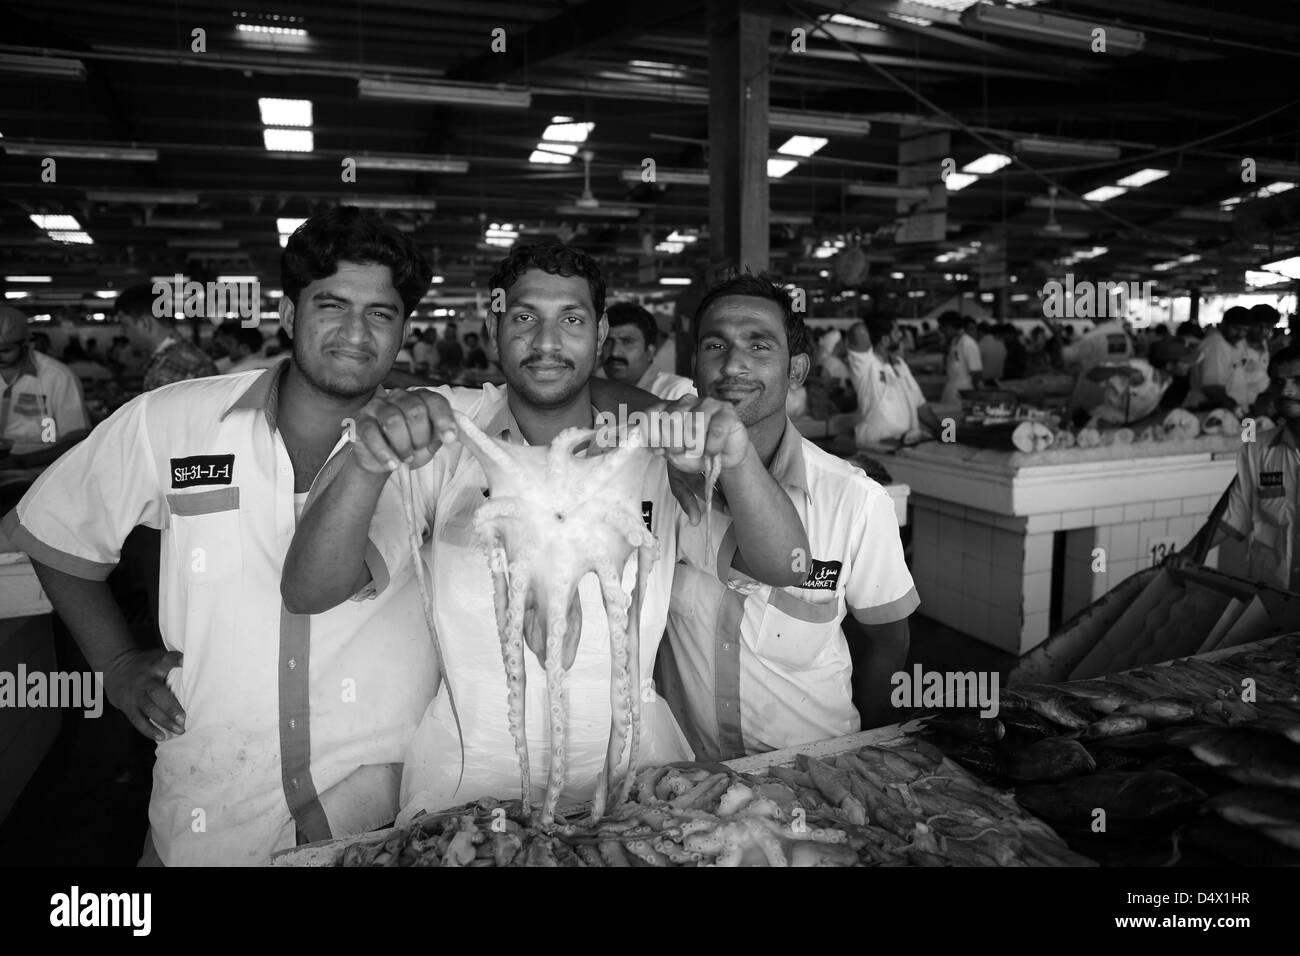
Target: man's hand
{"points": [[136, 684], [402, 427], [692, 429]]}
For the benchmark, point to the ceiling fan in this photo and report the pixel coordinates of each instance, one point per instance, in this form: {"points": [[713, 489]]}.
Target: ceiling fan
{"points": [[588, 205], [1053, 229]]}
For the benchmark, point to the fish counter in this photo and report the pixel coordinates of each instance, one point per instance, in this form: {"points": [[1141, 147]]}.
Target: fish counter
{"points": [[1192, 762]]}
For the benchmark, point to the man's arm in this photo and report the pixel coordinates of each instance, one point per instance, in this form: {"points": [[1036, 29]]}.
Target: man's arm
{"points": [[135, 680], [326, 560], [878, 652], [43, 456]]}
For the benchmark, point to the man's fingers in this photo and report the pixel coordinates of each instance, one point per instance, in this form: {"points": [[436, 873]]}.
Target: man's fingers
{"points": [[392, 419], [163, 699], [416, 416], [441, 419], [142, 725], [370, 435]]}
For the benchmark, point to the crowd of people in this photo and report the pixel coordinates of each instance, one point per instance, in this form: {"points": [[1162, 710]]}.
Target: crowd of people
{"points": [[867, 369]]}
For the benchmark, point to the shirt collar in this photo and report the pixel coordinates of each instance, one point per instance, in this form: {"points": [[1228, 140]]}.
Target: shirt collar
{"points": [[1283, 437], [503, 425], [647, 378], [788, 465], [262, 395], [28, 365]]}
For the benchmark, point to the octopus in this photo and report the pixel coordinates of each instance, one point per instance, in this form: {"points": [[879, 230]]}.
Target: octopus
{"points": [[553, 517]]}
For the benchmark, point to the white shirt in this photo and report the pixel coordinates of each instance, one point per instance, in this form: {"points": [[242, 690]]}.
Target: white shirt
{"points": [[1249, 377], [888, 398], [44, 389], [666, 385], [279, 707], [449, 490], [754, 668], [963, 360], [1104, 343], [1213, 364], [1262, 508]]}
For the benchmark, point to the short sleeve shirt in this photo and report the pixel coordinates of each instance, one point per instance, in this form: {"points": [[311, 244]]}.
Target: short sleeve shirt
{"points": [[755, 668], [177, 360], [963, 361], [1262, 507], [888, 397], [45, 393], [666, 385]]}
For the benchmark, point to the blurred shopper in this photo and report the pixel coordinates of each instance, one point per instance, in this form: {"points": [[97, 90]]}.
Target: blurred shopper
{"points": [[42, 412], [630, 352], [890, 404], [964, 367], [172, 357], [40, 342], [425, 351], [1016, 365], [1248, 384], [1216, 359], [1106, 343], [243, 346], [993, 352], [830, 362], [86, 368], [475, 357], [451, 357]]}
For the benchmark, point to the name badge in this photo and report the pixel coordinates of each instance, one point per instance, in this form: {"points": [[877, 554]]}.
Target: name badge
{"points": [[1270, 484], [823, 575], [202, 470], [648, 514]]}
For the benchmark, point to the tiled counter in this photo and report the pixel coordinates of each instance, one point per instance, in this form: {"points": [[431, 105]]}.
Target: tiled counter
{"points": [[989, 535]]}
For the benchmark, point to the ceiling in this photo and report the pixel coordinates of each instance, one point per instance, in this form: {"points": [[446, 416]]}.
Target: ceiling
{"points": [[1212, 86]]}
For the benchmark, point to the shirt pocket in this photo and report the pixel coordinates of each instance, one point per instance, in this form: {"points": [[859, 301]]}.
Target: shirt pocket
{"points": [[205, 537], [797, 628]]}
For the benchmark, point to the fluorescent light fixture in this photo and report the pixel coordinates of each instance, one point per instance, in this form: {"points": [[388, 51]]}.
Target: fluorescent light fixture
{"points": [[789, 219], [288, 140], [126, 154], [271, 30], [553, 155], [563, 129], [958, 181], [987, 164], [671, 177], [776, 168], [416, 164], [1143, 177], [1189, 258], [1104, 193], [55, 222], [802, 145], [1257, 279], [278, 112], [412, 203], [1049, 28], [886, 191], [1289, 267], [676, 236], [672, 248], [182, 222], [897, 275], [610, 212], [74, 236], [452, 94], [668, 71], [284, 241], [674, 280], [1272, 189], [241, 279], [288, 226], [176, 197], [1289, 171], [437, 280], [17, 295], [29, 278], [106, 294], [1164, 266], [810, 121], [1065, 147], [51, 66]]}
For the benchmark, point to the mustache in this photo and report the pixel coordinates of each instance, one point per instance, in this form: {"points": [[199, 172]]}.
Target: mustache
{"points": [[744, 383], [544, 360]]}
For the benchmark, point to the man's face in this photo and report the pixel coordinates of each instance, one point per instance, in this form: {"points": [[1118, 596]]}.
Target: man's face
{"points": [[346, 329], [743, 357], [548, 337], [1233, 333], [12, 350], [628, 356], [137, 330], [1284, 387]]}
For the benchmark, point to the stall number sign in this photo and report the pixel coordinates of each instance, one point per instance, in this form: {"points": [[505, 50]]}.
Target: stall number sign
{"points": [[1160, 548]]}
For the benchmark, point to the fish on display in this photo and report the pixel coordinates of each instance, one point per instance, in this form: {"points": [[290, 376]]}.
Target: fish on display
{"points": [[1125, 796], [1160, 710], [1258, 807], [1101, 696], [1250, 757], [1235, 844], [1053, 758], [968, 726]]}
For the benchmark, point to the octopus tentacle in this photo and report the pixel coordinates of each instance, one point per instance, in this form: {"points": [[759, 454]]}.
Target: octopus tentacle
{"points": [[644, 556], [512, 651], [487, 451], [622, 691], [557, 694]]}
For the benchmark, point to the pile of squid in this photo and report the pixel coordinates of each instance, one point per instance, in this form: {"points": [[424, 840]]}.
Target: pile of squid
{"points": [[904, 805]]}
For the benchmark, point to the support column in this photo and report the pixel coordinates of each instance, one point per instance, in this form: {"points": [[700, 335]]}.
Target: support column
{"points": [[739, 76]]}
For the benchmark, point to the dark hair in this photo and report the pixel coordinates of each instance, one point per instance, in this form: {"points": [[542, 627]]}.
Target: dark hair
{"points": [[242, 334], [471, 335], [346, 234], [629, 313], [1289, 354], [1265, 314], [878, 326], [555, 258], [1237, 315], [1161, 331], [139, 299], [951, 320], [761, 286]]}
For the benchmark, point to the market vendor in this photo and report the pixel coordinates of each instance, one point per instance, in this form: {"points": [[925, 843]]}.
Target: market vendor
{"points": [[1106, 342], [356, 535], [1131, 391], [42, 412], [273, 728], [630, 351], [1262, 501], [1216, 359], [963, 364], [752, 668], [890, 404]]}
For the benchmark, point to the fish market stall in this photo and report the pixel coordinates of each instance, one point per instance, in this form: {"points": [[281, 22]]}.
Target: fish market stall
{"points": [[991, 527], [1193, 762]]}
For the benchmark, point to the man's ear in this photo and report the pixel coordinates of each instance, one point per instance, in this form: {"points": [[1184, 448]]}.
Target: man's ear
{"points": [[490, 331], [287, 315], [602, 332], [799, 366]]}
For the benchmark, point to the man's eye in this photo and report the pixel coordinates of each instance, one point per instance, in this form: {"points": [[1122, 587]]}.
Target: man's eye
{"points": [[573, 319], [523, 317]]}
